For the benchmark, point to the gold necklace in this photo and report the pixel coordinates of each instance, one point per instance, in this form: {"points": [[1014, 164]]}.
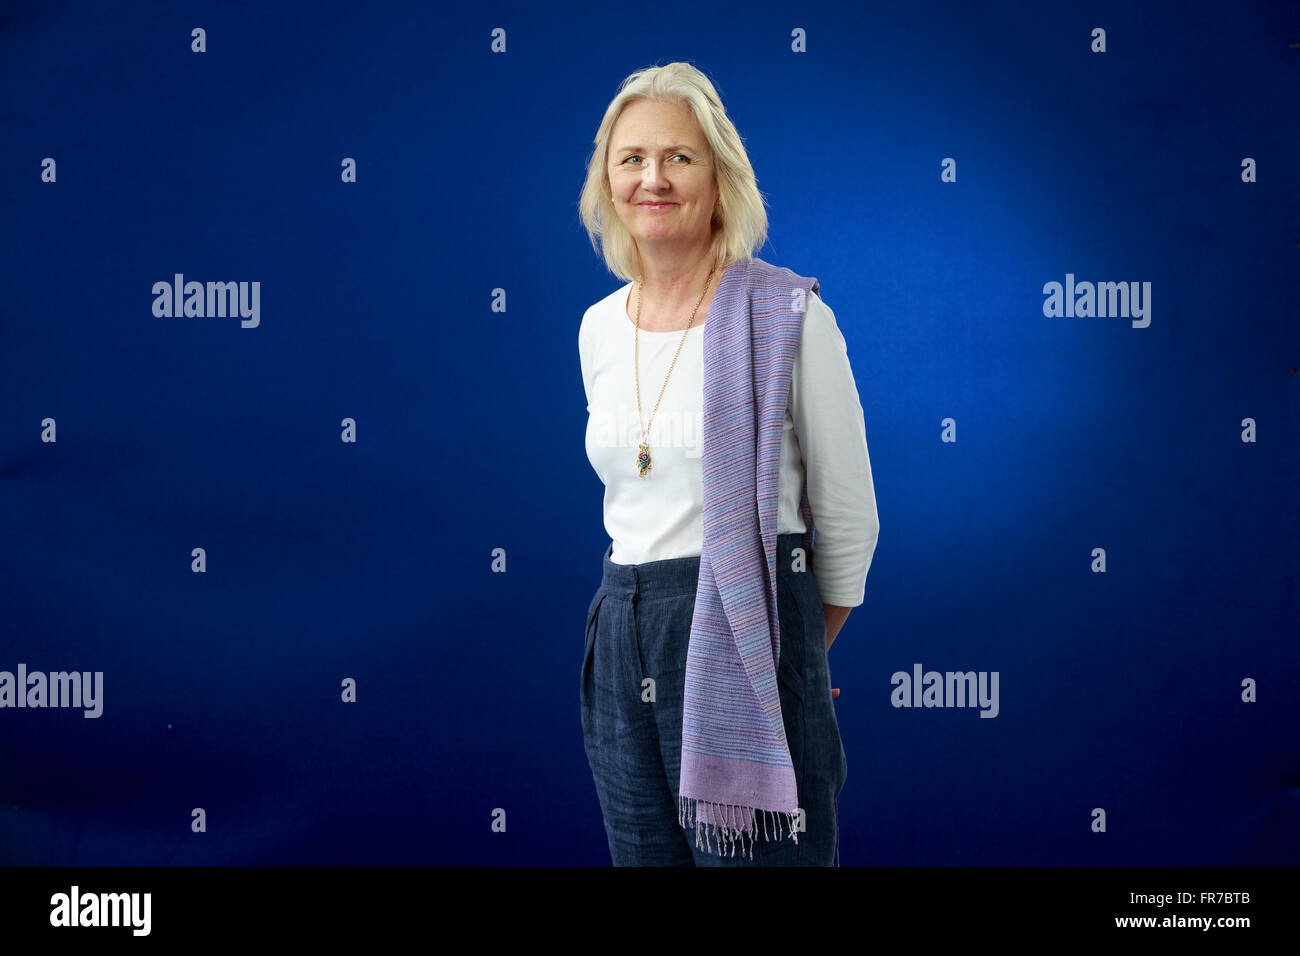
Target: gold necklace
{"points": [[643, 453]]}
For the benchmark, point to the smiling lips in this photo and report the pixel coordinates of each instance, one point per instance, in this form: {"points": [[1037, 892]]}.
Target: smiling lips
{"points": [[655, 205]]}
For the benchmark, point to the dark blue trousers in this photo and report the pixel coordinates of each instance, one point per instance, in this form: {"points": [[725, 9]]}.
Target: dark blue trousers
{"points": [[638, 627]]}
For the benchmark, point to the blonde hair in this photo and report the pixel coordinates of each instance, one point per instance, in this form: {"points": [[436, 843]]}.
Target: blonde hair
{"points": [[739, 223]]}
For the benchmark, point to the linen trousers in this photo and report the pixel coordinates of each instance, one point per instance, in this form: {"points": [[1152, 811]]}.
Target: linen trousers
{"points": [[638, 627]]}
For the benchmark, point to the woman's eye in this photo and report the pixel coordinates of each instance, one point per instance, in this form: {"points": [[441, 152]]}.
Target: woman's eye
{"points": [[682, 155]]}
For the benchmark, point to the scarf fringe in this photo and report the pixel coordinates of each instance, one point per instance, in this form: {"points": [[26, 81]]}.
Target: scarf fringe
{"points": [[736, 830]]}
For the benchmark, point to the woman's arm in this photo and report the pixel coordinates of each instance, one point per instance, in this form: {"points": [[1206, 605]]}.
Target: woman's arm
{"points": [[835, 618], [829, 425]]}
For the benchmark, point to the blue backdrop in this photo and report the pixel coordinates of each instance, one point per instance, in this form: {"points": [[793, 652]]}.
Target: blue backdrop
{"points": [[349, 457]]}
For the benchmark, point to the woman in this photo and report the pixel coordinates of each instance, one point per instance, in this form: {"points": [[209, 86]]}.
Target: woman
{"points": [[723, 415]]}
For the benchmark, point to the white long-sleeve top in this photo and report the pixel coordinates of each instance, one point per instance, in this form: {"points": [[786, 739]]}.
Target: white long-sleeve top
{"points": [[660, 516]]}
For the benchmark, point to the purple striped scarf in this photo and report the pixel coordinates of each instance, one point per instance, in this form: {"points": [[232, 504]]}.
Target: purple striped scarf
{"points": [[735, 757]]}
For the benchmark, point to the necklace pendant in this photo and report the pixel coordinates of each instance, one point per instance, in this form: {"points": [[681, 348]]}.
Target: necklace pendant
{"points": [[643, 459]]}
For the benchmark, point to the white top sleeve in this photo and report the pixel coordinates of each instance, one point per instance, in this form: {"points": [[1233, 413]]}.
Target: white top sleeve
{"points": [[831, 430]]}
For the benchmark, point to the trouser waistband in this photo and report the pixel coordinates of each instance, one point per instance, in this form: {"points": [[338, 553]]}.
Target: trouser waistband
{"points": [[677, 575]]}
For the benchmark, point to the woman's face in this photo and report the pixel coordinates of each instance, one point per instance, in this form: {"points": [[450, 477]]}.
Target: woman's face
{"points": [[657, 153]]}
